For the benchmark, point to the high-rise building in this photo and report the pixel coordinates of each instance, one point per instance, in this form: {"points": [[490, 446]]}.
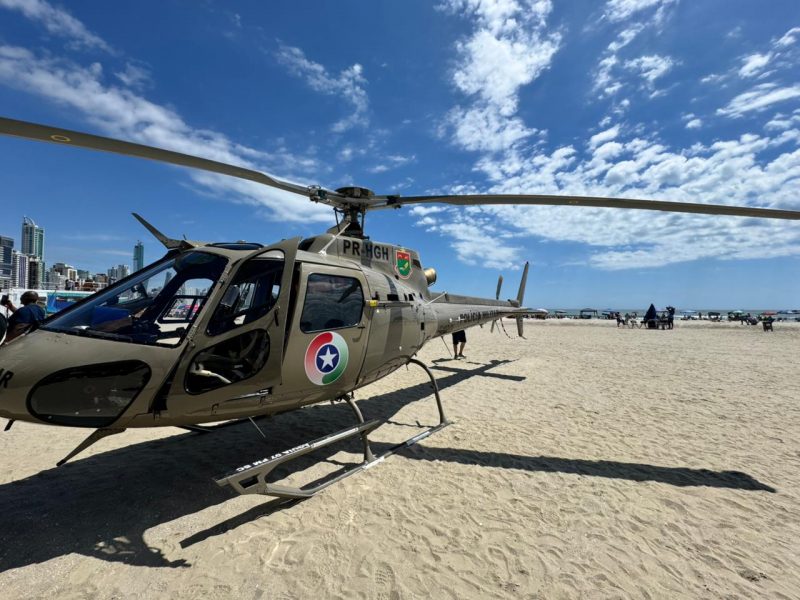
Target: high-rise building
{"points": [[138, 256], [118, 272], [32, 239], [33, 246], [35, 273], [6, 261], [19, 273]]}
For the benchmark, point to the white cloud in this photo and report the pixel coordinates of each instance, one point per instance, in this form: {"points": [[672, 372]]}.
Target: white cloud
{"points": [[758, 99], [509, 48], [422, 210], [427, 221], [484, 128], [392, 162], [608, 151], [755, 170], [753, 64], [782, 122], [779, 56], [650, 67], [789, 38], [620, 10], [610, 66], [57, 21], [134, 76], [713, 78], [604, 136], [747, 170], [495, 69], [476, 241], [349, 84], [120, 112]]}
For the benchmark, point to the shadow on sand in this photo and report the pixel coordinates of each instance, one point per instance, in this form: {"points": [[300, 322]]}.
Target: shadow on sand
{"points": [[102, 505]]}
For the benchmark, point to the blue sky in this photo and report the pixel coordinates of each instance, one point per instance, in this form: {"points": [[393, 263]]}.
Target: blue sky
{"points": [[662, 99]]}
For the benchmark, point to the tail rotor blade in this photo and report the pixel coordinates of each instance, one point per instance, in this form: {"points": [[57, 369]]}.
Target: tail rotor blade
{"points": [[521, 293]]}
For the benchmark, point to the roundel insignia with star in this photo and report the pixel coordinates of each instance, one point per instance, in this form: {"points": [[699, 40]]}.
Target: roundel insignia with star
{"points": [[326, 358]]}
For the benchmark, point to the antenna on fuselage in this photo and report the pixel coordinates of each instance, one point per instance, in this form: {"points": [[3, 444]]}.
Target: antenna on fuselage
{"points": [[169, 243]]}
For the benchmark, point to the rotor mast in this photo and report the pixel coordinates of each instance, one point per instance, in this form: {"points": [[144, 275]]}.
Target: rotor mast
{"points": [[353, 208]]}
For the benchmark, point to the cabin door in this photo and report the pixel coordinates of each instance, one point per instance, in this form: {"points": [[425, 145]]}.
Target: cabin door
{"points": [[328, 332], [232, 364]]}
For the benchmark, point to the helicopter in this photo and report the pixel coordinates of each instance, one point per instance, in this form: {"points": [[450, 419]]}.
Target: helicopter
{"points": [[215, 333]]}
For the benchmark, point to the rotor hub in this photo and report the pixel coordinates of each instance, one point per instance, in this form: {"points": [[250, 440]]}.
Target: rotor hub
{"points": [[356, 192]]}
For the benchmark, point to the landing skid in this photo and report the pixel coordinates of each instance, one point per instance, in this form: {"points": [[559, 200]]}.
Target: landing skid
{"points": [[252, 478]]}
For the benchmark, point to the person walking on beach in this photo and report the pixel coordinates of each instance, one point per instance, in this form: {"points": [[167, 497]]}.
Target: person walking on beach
{"points": [[459, 337]]}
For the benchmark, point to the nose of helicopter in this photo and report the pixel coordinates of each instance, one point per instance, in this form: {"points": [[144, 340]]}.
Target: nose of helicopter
{"points": [[61, 379], [17, 374]]}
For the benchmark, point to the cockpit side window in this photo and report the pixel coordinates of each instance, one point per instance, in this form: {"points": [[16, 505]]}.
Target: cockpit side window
{"points": [[332, 302], [154, 306], [251, 295]]}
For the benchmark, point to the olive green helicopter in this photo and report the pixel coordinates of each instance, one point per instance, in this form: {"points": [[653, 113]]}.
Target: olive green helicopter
{"points": [[216, 333]]}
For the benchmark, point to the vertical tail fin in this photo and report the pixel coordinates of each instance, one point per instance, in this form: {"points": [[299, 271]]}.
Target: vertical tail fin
{"points": [[497, 296]]}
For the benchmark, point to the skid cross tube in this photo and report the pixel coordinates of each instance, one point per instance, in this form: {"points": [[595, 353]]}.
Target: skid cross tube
{"points": [[252, 478]]}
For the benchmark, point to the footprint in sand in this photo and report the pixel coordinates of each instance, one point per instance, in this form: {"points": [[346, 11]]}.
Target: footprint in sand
{"points": [[384, 583]]}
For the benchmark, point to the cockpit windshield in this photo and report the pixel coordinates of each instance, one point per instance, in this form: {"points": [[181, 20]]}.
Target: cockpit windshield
{"points": [[155, 306]]}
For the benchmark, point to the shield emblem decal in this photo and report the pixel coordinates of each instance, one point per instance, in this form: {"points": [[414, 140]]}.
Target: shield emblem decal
{"points": [[402, 263]]}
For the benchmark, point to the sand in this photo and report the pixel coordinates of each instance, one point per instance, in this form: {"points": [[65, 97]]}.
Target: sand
{"points": [[585, 461]]}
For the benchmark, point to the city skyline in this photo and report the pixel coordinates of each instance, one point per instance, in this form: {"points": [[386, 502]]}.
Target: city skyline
{"points": [[28, 267]]}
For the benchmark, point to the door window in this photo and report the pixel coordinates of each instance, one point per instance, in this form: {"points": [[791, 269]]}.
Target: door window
{"points": [[252, 293], [331, 302]]}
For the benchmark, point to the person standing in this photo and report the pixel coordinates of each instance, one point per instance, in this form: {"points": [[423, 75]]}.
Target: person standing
{"points": [[459, 337], [24, 317], [670, 317]]}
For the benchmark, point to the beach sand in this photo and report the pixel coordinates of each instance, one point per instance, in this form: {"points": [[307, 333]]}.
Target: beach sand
{"points": [[585, 461]]}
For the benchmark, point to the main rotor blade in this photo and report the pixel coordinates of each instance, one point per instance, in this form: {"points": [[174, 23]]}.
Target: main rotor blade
{"points": [[594, 201], [44, 133]]}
